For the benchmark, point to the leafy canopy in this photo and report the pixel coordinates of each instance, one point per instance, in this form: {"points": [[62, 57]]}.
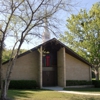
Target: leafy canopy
{"points": [[83, 34]]}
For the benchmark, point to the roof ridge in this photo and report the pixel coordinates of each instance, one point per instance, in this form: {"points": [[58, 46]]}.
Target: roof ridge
{"points": [[70, 51]]}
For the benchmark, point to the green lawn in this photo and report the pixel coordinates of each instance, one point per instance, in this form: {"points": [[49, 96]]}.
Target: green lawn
{"points": [[47, 95]]}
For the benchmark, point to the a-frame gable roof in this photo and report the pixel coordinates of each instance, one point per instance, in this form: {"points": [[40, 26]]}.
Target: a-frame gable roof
{"points": [[54, 40]]}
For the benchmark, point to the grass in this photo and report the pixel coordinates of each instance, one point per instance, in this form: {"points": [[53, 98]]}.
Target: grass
{"points": [[90, 90], [47, 95]]}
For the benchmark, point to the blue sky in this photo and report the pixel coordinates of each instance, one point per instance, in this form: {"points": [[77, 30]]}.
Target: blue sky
{"points": [[80, 4], [86, 3]]}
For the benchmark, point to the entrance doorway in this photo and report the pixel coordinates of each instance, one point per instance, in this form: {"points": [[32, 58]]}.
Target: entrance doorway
{"points": [[49, 75]]}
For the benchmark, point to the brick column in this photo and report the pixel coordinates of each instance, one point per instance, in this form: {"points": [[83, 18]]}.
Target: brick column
{"points": [[40, 68], [61, 67], [64, 67]]}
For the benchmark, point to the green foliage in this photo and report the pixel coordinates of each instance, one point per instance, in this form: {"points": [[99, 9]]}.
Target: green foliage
{"points": [[23, 84], [77, 82], [83, 34], [96, 83], [7, 54]]}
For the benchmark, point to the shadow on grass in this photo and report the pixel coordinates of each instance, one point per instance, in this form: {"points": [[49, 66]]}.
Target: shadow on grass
{"points": [[24, 93], [83, 89]]}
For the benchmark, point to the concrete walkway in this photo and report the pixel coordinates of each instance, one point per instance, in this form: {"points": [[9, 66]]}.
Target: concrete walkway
{"points": [[60, 89]]}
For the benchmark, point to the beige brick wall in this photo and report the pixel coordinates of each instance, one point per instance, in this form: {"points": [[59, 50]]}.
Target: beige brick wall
{"points": [[76, 69], [26, 67]]}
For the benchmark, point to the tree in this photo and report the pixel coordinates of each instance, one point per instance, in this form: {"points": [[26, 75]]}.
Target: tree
{"points": [[7, 53], [83, 35], [22, 19]]}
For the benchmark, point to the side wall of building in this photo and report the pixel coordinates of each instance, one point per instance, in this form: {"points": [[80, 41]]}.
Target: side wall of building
{"points": [[26, 67], [76, 69]]}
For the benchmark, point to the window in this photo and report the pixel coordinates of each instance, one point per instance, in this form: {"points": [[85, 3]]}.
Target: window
{"points": [[47, 61]]}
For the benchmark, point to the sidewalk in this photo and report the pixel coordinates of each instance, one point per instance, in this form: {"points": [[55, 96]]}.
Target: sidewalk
{"points": [[60, 89]]}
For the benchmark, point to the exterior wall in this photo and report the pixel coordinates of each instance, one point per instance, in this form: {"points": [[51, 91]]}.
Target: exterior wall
{"points": [[29, 67], [61, 67], [76, 69], [26, 67]]}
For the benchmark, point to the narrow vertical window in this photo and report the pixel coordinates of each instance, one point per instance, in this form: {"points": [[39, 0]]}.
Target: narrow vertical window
{"points": [[47, 60]]}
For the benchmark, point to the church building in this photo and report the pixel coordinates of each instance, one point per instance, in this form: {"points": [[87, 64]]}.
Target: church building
{"points": [[50, 64]]}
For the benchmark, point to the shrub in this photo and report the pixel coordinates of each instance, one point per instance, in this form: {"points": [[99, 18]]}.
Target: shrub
{"points": [[22, 84], [96, 83], [77, 82]]}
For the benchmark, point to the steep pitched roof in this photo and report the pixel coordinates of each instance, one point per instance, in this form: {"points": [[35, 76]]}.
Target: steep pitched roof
{"points": [[54, 40]]}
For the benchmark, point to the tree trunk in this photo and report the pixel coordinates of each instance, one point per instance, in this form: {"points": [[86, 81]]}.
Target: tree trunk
{"points": [[7, 78], [0, 68], [1, 79], [97, 78], [97, 74], [4, 92], [3, 85]]}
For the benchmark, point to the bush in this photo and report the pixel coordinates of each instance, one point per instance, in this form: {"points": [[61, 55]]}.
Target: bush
{"points": [[96, 83], [22, 84], [77, 82]]}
